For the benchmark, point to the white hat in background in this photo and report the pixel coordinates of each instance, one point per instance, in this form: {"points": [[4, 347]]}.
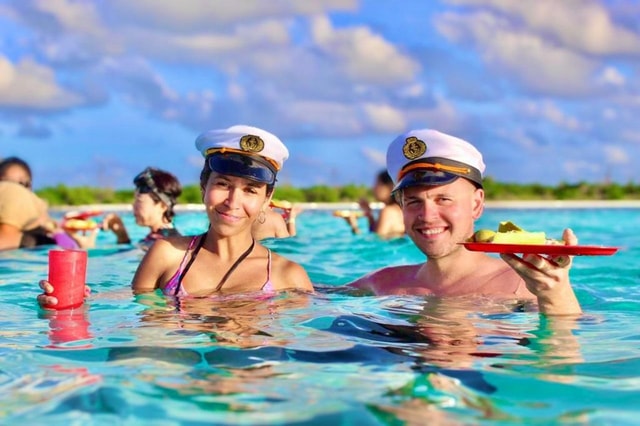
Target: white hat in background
{"points": [[243, 151], [429, 157]]}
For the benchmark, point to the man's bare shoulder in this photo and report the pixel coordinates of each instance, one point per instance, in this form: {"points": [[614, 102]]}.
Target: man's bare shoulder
{"points": [[495, 277], [382, 280]]}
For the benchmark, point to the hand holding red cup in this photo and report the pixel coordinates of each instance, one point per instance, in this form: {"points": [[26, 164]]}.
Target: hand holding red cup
{"points": [[65, 288]]}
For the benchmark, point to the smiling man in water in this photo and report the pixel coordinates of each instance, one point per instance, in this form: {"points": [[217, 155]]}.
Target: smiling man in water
{"points": [[438, 181]]}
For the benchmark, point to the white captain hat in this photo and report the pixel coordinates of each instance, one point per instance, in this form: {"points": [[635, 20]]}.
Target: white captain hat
{"points": [[243, 151], [429, 157]]}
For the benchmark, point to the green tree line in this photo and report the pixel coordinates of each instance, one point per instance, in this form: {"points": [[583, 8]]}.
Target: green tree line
{"points": [[495, 191]]}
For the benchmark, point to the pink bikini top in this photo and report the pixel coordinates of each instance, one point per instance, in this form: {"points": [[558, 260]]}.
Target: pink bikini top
{"points": [[174, 285]]}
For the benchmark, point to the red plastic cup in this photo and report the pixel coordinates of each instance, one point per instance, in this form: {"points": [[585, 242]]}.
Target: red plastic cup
{"points": [[67, 275]]}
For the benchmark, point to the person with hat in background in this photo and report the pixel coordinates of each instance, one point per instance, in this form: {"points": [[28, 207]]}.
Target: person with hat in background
{"points": [[438, 182]]}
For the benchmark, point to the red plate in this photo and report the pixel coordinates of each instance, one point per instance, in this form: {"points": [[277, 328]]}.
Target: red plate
{"points": [[541, 249], [82, 215]]}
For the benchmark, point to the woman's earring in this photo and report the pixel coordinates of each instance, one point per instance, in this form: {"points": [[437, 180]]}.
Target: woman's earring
{"points": [[262, 217]]}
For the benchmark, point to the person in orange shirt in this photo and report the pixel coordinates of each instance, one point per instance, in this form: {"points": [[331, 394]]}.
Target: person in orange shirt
{"points": [[24, 217]]}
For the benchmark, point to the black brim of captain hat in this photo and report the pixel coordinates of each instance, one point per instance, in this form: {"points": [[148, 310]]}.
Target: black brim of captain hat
{"points": [[245, 166], [428, 172]]}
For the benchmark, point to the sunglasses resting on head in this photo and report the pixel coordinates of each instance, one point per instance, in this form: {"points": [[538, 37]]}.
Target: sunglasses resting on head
{"points": [[146, 185]]}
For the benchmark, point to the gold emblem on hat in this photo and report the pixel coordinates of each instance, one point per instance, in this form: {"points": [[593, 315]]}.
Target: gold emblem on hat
{"points": [[413, 148], [251, 143]]}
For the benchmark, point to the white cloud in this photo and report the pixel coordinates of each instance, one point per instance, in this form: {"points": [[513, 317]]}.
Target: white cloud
{"points": [[385, 118], [30, 85], [204, 15], [538, 64], [444, 116], [578, 169], [610, 75], [518, 138], [630, 134], [329, 82], [234, 45], [581, 25], [363, 55], [323, 117], [275, 60], [78, 17], [615, 155], [74, 30], [552, 112], [375, 157]]}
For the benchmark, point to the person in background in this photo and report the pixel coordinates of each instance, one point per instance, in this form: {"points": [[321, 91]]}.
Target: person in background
{"points": [[237, 181], [156, 195], [438, 181], [24, 217], [273, 224], [14, 169], [389, 223]]}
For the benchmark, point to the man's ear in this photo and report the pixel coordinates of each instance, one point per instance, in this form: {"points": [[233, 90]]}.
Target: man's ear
{"points": [[478, 203]]}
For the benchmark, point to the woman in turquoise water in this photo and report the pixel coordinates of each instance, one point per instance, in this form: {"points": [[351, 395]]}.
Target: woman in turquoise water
{"points": [[237, 181], [156, 194]]}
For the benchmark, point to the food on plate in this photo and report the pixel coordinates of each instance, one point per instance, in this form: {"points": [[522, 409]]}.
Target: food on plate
{"points": [[82, 214], [347, 213], [280, 204], [79, 224], [510, 233], [483, 236]]}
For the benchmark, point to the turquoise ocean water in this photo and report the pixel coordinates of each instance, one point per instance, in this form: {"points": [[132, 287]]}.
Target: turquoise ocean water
{"points": [[330, 358]]}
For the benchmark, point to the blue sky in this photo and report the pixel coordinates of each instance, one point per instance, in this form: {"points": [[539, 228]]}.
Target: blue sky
{"points": [[91, 92]]}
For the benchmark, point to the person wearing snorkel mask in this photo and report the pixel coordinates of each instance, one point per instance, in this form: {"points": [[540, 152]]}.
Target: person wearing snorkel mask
{"points": [[155, 197]]}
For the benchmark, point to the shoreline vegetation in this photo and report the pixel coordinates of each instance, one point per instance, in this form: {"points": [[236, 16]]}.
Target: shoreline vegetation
{"points": [[524, 205], [498, 195]]}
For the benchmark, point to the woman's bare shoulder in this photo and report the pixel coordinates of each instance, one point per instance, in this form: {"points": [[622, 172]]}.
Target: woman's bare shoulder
{"points": [[284, 264], [170, 246], [178, 242], [289, 274]]}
